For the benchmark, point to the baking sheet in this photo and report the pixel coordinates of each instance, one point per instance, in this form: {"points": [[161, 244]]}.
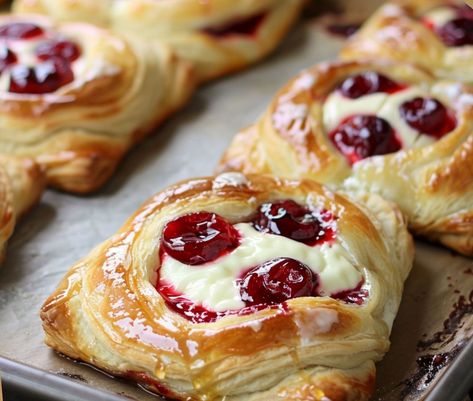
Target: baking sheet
{"points": [[64, 228]]}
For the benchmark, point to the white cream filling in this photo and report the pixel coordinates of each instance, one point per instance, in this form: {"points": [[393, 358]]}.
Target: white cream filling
{"points": [[440, 15], [214, 284], [338, 107]]}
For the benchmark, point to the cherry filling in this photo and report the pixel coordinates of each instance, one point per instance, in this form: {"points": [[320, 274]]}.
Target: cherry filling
{"points": [[291, 220], [464, 11], [63, 49], [7, 57], [428, 116], [42, 78], [198, 313], [457, 32], [368, 83], [352, 296], [20, 30], [248, 27], [362, 136], [276, 281], [198, 238]]}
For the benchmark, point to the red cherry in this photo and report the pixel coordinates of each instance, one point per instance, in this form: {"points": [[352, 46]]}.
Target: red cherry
{"points": [[198, 238], [368, 83], [291, 220], [276, 281], [43, 78], [428, 116], [20, 30], [457, 32], [64, 49], [7, 57], [360, 136]]}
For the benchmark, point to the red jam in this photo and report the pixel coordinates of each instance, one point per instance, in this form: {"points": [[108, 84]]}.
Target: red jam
{"points": [[244, 27], [291, 220], [46, 77], [343, 30], [352, 296], [63, 49], [276, 281], [368, 83], [7, 57], [428, 116], [198, 313], [199, 238], [20, 30], [362, 136], [464, 11]]}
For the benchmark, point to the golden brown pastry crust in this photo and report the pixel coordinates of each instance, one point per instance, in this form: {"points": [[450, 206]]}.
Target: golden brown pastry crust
{"points": [[395, 32], [121, 91], [181, 24], [21, 185], [107, 312], [431, 184]]}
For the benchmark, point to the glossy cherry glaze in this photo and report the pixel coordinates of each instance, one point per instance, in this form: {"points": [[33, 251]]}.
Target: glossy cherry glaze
{"points": [[276, 281], [294, 221], [199, 238], [343, 30], [367, 83], [45, 77], [362, 136], [457, 32], [7, 57], [464, 11], [428, 116], [198, 313], [244, 27], [356, 295], [20, 30], [63, 49]]}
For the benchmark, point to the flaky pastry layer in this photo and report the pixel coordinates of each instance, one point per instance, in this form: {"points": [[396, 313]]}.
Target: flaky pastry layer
{"points": [[396, 32], [432, 184], [107, 312], [185, 25], [21, 185], [121, 91]]}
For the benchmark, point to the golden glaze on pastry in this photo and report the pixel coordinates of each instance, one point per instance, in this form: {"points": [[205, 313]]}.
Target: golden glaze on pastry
{"points": [[218, 36], [121, 90], [400, 31], [21, 185], [430, 180], [108, 312]]}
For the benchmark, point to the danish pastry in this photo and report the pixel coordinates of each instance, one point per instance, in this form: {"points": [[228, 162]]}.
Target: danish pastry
{"points": [[218, 36], [436, 35], [75, 97], [240, 288], [21, 184], [383, 128]]}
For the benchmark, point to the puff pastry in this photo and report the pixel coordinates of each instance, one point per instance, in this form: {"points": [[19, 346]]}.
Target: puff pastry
{"points": [[327, 121], [175, 299], [218, 36], [436, 35], [21, 185], [75, 97]]}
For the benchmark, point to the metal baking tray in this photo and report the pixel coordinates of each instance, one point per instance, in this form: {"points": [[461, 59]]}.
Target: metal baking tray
{"points": [[431, 354]]}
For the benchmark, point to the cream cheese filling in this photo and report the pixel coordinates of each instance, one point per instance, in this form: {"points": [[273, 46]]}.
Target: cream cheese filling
{"points": [[214, 286]]}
